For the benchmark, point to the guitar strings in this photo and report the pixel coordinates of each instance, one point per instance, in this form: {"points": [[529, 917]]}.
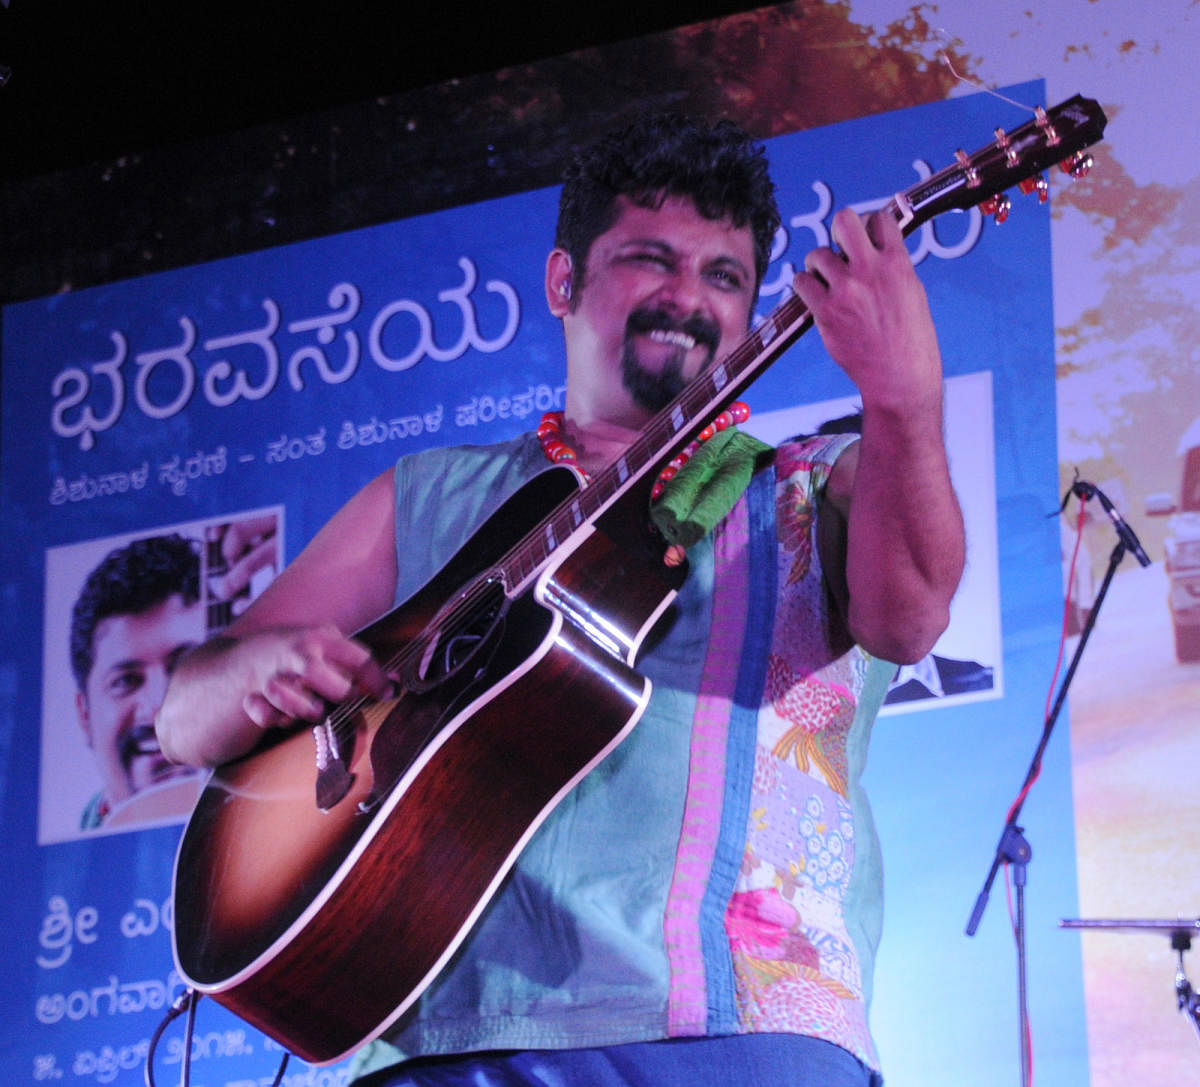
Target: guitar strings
{"points": [[971, 81]]}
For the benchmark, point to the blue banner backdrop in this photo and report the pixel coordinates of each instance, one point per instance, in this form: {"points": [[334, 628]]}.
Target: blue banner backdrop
{"points": [[283, 380]]}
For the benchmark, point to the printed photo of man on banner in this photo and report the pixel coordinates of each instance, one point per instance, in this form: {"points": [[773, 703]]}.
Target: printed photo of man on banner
{"points": [[144, 604]]}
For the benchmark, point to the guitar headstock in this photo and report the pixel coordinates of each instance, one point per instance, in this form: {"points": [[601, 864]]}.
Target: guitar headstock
{"points": [[1058, 136]]}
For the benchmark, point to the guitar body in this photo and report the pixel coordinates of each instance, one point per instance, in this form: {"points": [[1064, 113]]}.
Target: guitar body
{"points": [[322, 927]]}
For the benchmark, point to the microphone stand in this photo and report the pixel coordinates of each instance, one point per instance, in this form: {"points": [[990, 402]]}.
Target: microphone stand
{"points": [[1013, 848]]}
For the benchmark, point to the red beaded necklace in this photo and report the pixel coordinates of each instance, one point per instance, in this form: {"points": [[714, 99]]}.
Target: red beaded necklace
{"points": [[550, 434]]}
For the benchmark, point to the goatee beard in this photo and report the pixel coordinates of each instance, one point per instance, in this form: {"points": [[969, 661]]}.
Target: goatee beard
{"points": [[655, 390], [652, 391]]}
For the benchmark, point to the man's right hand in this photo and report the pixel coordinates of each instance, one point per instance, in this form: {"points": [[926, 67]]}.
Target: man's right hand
{"points": [[285, 659], [287, 676], [298, 672]]}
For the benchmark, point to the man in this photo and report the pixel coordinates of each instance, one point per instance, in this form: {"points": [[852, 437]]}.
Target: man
{"points": [[703, 907], [138, 612]]}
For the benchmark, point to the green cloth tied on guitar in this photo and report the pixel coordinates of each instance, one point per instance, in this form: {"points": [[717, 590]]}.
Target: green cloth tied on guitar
{"points": [[708, 486]]}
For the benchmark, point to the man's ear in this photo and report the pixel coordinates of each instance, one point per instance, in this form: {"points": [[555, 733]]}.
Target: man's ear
{"points": [[559, 282], [85, 720]]}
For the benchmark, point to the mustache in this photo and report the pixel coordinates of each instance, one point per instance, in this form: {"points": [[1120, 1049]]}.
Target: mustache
{"points": [[706, 333], [140, 741]]}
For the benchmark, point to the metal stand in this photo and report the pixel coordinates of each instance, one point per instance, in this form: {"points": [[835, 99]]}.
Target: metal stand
{"points": [[1013, 848], [1017, 853], [1185, 997], [1181, 933]]}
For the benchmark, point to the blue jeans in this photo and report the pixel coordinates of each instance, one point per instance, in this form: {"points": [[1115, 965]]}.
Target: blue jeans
{"points": [[750, 1060]]}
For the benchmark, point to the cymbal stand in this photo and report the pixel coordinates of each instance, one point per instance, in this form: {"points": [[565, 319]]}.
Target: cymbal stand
{"points": [[1186, 997], [1181, 933]]}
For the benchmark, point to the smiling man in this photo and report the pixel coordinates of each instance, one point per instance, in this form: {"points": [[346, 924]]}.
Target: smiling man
{"points": [[704, 907], [661, 290], [138, 612]]}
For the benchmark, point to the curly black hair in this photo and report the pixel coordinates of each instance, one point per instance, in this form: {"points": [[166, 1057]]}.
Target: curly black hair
{"points": [[719, 167], [129, 581]]}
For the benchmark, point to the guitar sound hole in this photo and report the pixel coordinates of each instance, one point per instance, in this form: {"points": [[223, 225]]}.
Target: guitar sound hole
{"points": [[463, 631]]}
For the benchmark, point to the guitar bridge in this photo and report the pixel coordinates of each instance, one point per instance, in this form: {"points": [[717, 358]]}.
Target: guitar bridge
{"points": [[333, 773]]}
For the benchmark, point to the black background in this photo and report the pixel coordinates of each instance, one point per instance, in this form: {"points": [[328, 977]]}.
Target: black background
{"points": [[92, 81]]}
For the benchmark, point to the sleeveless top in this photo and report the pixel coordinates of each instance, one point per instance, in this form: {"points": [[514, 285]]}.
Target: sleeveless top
{"points": [[719, 872]]}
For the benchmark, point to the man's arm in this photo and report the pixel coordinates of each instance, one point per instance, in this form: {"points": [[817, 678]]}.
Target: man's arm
{"points": [[897, 521], [290, 653]]}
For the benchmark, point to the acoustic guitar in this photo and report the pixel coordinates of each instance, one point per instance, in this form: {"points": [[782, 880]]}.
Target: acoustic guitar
{"points": [[324, 880]]}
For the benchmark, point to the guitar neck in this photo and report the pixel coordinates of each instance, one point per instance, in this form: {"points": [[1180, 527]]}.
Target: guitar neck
{"points": [[1056, 136]]}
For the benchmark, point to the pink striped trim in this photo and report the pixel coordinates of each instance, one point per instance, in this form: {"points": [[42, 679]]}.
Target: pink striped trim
{"points": [[687, 1005]]}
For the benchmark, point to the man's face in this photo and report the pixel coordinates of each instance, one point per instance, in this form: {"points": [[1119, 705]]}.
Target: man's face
{"points": [[666, 293], [133, 657]]}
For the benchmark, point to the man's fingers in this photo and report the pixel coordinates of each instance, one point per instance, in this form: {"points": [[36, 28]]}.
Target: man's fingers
{"points": [[277, 707], [307, 671]]}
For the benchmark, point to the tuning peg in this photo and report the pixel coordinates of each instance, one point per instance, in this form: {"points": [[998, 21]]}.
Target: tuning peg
{"points": [[1078, 165], [1037, 184], [1048, 130], [969, 169], [997, 206], [1005, 144]]}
